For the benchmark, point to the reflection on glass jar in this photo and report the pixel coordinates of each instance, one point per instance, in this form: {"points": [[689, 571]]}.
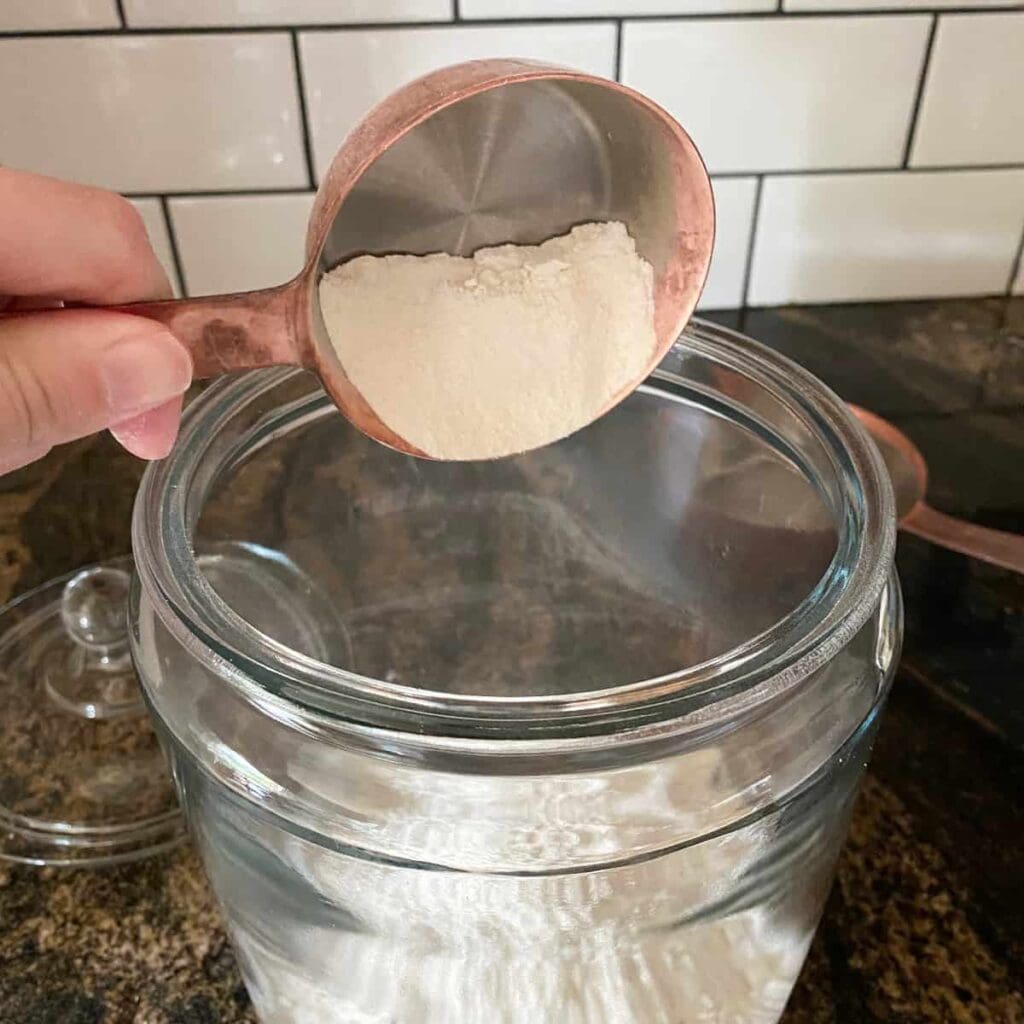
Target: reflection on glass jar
{"points": [[567, 738]]}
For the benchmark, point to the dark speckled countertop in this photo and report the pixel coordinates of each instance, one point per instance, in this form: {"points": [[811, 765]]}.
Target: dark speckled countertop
{"points": [[926, 920]]}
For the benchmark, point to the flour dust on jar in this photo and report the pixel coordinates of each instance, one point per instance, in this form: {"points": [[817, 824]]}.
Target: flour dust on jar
{"points": [[569, 737]]}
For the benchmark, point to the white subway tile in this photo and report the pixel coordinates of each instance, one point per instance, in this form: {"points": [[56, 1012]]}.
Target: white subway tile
{"points": [[847, 237], [784, 93], [346, 73], [154, 113], [888, 5], [734, 215], [972, 111], [171, 13], [604, 8], [156, 227], [57, 15], [238, 243]]}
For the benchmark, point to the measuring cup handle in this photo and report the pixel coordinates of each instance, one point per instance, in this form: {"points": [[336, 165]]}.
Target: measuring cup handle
{"points": [[996, 547], [234, 332]]}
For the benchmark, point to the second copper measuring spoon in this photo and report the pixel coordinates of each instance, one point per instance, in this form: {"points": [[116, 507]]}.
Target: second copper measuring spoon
{"points": [[909, 474]]}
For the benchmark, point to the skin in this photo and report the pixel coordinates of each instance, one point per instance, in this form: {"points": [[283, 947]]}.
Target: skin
{"points": [[67, 373]]}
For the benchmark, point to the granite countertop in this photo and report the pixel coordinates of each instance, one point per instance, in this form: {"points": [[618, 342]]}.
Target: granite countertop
{"points": [[926, 920]]}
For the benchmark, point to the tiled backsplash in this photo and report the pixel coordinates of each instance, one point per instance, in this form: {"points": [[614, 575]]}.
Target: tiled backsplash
{"points": [[860, 148]]}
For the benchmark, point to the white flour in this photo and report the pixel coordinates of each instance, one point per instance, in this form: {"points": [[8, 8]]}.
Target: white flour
{"points": [[518, 346], [671, 939]]}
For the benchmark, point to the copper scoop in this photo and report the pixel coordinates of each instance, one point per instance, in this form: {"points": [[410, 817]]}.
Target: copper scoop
{"points": [[473, 155], [909, 474]]}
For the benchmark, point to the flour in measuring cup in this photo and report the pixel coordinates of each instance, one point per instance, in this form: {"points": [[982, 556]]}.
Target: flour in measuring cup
{"points": [[510, 349]]}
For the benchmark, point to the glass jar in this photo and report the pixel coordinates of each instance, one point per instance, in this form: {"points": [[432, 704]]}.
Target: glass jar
{"points": [[567, 738]]}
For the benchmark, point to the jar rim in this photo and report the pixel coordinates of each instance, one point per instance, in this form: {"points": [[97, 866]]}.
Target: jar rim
{"points": [[287, 683]]}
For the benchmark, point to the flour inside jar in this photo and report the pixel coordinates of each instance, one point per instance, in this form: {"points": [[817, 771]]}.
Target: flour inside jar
{"points": [[498, 353]]}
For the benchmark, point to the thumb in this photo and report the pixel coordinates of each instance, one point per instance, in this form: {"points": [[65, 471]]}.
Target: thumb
{"points": [[68, 373]]}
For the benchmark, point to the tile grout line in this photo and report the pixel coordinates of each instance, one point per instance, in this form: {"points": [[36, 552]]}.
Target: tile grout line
{"points": [[536, 22], [1017, 264], [456, 12], [922, 82], [119, 4], [818, 172], [748, 266], [172, 238], [296, 190], [307, 144], [618, 50], [217, 193]]}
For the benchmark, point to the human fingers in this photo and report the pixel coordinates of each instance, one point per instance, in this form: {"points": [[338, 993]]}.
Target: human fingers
{"points": [[150, 435], [73, 242], [69, 373]]}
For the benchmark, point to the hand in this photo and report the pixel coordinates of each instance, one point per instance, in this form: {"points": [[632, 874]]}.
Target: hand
{"points": [[68, 373]]}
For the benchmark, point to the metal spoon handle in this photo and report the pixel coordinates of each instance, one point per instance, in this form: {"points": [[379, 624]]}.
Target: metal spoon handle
{"points": [[996, 547], [233, 332]]}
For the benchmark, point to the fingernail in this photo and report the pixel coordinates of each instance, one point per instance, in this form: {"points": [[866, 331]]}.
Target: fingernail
{"points": [[140, 372], [150, 435]]}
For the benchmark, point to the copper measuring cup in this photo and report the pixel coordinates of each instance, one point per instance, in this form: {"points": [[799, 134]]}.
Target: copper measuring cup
{"points": [[475, 154], [909, 474]]}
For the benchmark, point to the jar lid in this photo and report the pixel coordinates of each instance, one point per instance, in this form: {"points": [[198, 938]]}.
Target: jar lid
{"points": [[82, 778]]}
